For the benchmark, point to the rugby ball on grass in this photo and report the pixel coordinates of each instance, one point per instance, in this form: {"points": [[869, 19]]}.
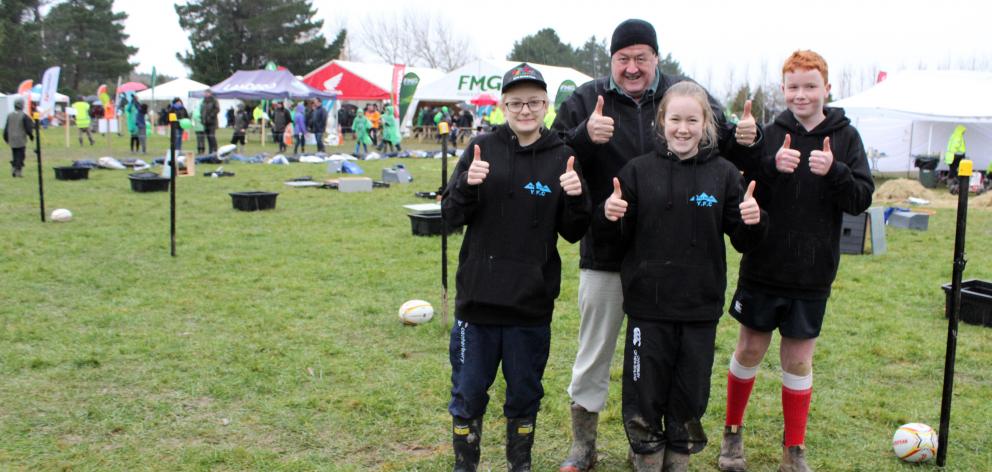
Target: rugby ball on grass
{"points": [[415, 312], [61, 215]]}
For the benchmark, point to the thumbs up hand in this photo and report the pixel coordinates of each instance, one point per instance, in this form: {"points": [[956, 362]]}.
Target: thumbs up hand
{"points": [[599, 127], [479, 168], [750, 212], [615, 206], [821, 161], [747, 128], [570, 182], [786, 160]]}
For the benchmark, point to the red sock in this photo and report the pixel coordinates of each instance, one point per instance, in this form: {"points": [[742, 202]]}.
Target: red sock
{"points": [[795, 409], [738, 393]]}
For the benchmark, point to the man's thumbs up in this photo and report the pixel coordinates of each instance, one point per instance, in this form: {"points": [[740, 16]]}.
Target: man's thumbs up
{"points": [[615, 206], [821, 161], [747, 128], [570, 182], [750, 212], [599, 127], [479, 168], [786, 159]]}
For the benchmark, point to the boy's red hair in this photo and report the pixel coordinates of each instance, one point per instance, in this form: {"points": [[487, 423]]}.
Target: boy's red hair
{"points": [[806, 60]]}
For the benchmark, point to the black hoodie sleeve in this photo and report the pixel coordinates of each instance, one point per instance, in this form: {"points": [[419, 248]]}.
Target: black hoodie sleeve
{"points": [[851, 184], [574, 212], [459, 199], [743, 237], [571, 121]]}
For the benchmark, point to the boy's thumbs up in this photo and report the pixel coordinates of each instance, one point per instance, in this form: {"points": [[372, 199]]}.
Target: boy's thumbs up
{"points": [[478, 170], [821, 161], [616, 188], [749, 195], [747, 110], [570, 182], [787, 159]]}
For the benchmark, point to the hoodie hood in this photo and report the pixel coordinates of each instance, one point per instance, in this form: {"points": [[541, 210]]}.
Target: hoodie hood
{"points": [[835, 120]]}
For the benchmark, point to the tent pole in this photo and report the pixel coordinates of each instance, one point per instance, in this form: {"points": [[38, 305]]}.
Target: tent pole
{"points": [[930, 140], [909, 162]]}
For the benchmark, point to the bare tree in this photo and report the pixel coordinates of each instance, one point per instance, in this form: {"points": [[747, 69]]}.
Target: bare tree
{"points": [[412, 38]]}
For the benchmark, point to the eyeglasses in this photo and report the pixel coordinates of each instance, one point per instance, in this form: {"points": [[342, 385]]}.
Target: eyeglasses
{"points": [[533, 105]]}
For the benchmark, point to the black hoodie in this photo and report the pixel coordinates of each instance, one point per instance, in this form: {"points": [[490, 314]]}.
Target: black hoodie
{"points": [[509, 270], [675, 262], [799, 258], [634, 133]]}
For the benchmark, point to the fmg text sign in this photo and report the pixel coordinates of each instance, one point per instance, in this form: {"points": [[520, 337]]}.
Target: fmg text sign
{"points": [[480, 83]]}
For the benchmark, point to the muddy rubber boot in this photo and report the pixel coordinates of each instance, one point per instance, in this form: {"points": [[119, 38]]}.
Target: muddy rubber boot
{"points": [[647, 462], [519, 440], [466, 439], [582, 456], [17, 172], [675, 461], [794, 460], [732, 450]]}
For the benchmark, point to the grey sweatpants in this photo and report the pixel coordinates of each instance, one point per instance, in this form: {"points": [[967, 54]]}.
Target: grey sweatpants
{"points": [[601, 316]]}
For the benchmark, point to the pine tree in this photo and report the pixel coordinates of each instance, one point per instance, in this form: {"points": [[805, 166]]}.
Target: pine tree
{"points": [[86, 38], [231, 35], [543, 47], [20, 39]]}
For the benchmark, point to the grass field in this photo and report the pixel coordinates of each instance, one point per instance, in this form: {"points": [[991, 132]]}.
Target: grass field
{"points": [[272, 341]]}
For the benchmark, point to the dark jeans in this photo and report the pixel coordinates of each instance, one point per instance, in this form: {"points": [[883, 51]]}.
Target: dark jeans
{"points": [[299, 143], [17, 159], [277, 138], [211, 132], [666, 384], [201, 142], [476, 351], [320, 141]]}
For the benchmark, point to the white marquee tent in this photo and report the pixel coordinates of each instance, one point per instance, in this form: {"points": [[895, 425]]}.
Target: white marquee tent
{"points": [[914, 112], [181, 88], [485, 75]]}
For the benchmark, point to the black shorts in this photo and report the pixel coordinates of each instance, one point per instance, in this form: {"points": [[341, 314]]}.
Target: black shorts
{"points": [[794, 317]]}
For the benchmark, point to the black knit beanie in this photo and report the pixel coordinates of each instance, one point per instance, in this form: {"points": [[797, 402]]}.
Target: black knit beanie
{"points": [[631, 32]]}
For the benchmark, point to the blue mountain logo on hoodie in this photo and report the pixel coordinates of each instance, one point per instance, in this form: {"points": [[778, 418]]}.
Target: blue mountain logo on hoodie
{"points": [[703, 200], [537, 188]]}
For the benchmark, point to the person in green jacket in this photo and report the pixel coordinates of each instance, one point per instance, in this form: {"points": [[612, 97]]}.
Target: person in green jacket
{"points": [[390, 131], [83, 120], [198, 128], [955, 145], [361, 128]]}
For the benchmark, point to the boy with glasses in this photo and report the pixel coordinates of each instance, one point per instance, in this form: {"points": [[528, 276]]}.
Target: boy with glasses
{"points": [[515, 189]]}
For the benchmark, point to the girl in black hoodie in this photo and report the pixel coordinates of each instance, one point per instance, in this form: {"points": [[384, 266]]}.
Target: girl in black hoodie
{"points": [[515, 189], [669, 211]]}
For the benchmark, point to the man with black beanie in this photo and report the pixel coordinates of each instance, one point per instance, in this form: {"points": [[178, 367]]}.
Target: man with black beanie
{"points": [[609, 121]]}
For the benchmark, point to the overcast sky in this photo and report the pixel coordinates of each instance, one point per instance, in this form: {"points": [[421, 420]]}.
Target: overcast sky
{"points": [[716, 42]]}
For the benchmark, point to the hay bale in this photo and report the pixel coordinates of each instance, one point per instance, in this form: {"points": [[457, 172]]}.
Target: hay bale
{"points": [[901, 189]]}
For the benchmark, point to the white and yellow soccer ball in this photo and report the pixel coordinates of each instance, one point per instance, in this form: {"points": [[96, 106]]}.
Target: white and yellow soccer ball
{"points": [[61, 215], [915, 442], [415, 312]]}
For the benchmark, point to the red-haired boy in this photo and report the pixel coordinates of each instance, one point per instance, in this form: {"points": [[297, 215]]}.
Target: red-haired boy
{"points": [[813, 169]]}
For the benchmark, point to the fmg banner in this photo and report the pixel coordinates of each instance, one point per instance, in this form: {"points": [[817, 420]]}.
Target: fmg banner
{"points": [[407, 87], [565, 90]]}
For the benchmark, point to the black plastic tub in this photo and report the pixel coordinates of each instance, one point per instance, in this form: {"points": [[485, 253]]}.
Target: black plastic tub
{"points": [[72, 173], [976, 302], [148, 182], [430, 225], [253, 201]]}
